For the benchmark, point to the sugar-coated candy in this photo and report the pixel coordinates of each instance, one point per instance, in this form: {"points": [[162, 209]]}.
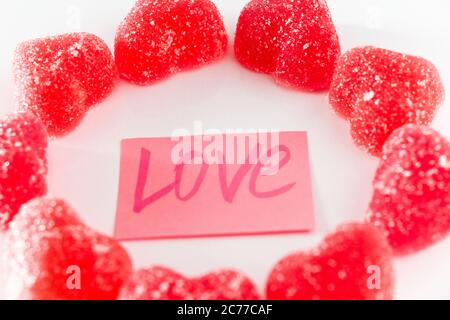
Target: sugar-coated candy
{"points": [[411, 197], [59, 78], [51, 254], [23, 170], [355, 262], [294, 40], [160, 283], [160, 37], [379, 90]]}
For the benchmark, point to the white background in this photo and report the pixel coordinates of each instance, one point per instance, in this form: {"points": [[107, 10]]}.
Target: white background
{"points": [[84, 165]]}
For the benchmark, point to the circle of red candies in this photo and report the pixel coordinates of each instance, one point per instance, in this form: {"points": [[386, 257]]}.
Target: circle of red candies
{"points": [[387, 97]]}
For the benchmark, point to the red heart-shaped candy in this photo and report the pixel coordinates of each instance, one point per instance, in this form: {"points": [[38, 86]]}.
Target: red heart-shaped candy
{"points": [[379, 90], [159, 283], [294, 40], [159, 38], [59, 78], [23, 147], [411, 197], [352, 263], [51, 254]]}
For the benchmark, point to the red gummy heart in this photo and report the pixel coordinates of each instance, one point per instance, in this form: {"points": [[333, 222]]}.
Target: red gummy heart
{"points": [[159, 283], [51, 254], [23, 145], [59, 78], [295, 40], [379, 90], [159, 38], [411, 199], [352, 263]]}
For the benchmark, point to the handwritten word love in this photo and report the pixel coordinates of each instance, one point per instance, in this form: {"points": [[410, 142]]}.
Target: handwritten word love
{"points": [[229, 190]]}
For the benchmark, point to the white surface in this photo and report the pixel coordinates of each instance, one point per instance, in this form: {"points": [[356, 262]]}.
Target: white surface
{"points": [[84, 165]]}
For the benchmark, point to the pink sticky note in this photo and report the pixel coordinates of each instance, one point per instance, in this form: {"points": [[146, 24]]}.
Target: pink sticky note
{"points": [[216, 185]]}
